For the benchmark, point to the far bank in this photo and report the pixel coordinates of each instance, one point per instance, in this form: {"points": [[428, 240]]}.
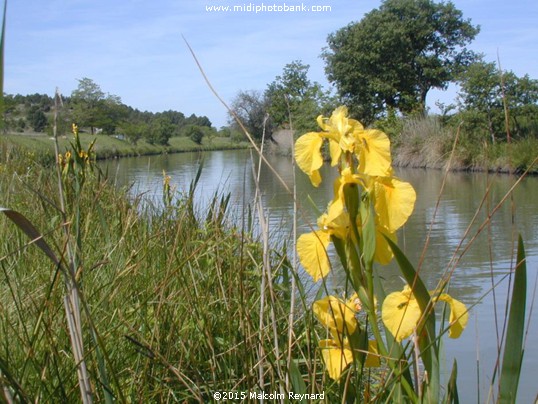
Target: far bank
{"points": [[106, 147]]}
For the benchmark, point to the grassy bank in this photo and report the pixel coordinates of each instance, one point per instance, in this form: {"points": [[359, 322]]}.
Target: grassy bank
{"points": [[175, 303], [426, 143], [124, 301], [42, 146]]}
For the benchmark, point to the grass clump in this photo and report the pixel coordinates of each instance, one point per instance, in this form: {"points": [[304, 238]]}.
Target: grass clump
{"points": [[425, 142], [170, 297], [422, 143]]}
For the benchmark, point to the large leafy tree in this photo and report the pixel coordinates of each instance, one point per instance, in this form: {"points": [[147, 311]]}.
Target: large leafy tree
{"points": [[396, 54]]}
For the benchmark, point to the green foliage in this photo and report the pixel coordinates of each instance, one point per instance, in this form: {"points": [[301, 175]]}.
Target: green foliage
{"points": [[195, 133], [92, 108], [26, 112], [391, 124], [134, 131], [160, 131], [37, 119], [251, 108], [396, 54], [225, 131], [484, 92], [293, 95], [172, 299]]}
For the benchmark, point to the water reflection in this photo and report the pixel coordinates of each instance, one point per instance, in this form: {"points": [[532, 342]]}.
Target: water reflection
{"points": [[484, 257]]}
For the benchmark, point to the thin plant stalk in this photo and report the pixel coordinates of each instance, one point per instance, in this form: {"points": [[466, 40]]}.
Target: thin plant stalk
{"points": [[71, 299], [267, 278], [294, 255]]}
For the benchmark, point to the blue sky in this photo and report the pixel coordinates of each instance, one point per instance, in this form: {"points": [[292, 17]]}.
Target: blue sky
{"points": [[134, 48]]}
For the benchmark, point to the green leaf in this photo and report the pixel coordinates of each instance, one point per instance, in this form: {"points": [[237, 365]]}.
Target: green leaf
{"points": [[11, 384], [452, 388], [296, 378], [513, 349], [368, 232], [429, 350], [350, 260], [28, 228]]}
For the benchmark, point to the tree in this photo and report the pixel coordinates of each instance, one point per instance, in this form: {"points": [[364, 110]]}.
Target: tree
{"points": [[198, 121], [396, 54], [134, 131], [92, 108], [293, 95], [37, 119], [483, 92], [160, 131], [251, 108], [195, 133]]}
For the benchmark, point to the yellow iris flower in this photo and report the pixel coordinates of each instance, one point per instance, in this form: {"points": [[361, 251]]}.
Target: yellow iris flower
{"points": [[370, 146], [394, 201], [312, 247], [401, 313], [339, 317]]}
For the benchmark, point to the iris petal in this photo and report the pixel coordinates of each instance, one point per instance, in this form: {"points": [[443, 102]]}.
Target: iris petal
{"points": [[400, 313], [308, 155], [374, 153], [394, 202], [336, 358], [458, 315], [334, 314], [312, 251]]}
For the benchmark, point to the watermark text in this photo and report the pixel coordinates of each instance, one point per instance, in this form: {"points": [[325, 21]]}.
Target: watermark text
{"points": [[268, 8]]}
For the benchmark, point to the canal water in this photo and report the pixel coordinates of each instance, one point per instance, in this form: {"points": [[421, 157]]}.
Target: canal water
{"points": [[453, 226]]}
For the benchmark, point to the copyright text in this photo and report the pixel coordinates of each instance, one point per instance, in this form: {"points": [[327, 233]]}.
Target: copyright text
{"points": [[261, 395]]}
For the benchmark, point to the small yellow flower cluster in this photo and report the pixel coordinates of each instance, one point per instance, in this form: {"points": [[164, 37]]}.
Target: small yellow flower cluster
{"points": [[84, 156], [166, 180], [64, 160], [77, 160]]}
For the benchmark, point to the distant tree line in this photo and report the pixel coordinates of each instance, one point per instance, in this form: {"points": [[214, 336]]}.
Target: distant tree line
{"points": [[383, 67], [97, 112]]}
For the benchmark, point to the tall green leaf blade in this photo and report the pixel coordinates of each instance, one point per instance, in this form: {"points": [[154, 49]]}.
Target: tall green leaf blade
{"points": [[411, 277], [28, 228], [428, 344], [452, 388], [296, 378], [513, 349]]}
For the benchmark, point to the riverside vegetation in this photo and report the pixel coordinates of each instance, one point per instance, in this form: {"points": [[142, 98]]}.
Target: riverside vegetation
{"points": [[107, 299]]}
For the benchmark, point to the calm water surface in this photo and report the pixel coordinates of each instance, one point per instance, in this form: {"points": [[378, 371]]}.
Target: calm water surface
{"points": [[482, 259]]}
